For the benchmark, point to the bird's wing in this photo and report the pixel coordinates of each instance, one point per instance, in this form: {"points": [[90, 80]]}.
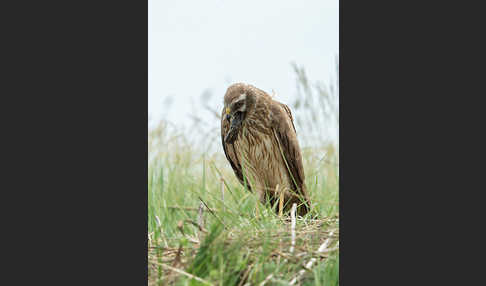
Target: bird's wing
{"points": [[229, 150], [289, 113], [284, 129]]}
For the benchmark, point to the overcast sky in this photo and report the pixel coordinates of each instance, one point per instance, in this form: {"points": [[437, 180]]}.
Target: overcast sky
{"points": [[206, 45]]}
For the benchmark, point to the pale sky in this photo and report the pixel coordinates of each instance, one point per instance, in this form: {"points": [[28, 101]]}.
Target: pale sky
{"points": [[200, 45]]}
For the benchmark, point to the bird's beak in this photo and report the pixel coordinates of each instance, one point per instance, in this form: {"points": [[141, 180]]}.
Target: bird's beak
{"points": [[228, 114], [236, 121]]}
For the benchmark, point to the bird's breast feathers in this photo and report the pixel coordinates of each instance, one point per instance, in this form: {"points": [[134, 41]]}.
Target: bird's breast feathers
{"points": [[261, 155]]}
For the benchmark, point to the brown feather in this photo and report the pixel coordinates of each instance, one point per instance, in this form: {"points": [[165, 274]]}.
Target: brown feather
{"points": [[267, 145], [287, 137], [229, 151]]}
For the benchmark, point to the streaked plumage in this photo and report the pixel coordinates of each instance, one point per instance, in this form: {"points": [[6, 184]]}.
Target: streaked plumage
{"points": [[259, 139]]}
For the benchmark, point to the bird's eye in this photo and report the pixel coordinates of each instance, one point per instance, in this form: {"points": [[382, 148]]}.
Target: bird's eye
{"points": [[238, 104]]}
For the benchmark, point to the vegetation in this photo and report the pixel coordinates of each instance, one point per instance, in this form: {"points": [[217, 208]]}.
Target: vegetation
{"points": [[206, 229]]}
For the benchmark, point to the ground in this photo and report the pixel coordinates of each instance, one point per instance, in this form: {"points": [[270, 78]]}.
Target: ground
{"points": [[199, 236]]}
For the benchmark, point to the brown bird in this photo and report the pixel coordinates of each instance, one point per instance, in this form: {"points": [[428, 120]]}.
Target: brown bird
{"points": [[260, 143]]}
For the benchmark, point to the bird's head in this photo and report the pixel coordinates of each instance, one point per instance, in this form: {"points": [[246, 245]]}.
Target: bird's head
{"points": [[238, 102]]}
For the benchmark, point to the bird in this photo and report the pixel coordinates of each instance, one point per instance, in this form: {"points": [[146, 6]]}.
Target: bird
{"points": [[260, 142]]}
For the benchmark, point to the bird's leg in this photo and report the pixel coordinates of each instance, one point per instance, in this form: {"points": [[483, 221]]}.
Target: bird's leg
{"points": [[261, 195], [290, 198]]}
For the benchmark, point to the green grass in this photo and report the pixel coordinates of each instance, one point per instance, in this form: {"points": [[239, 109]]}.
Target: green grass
{"points": [[239, 245]]}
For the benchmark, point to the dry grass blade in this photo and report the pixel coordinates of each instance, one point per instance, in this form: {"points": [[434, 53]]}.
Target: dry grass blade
{"points": [[177, 259], [324, 253], [245, 276], [309, 264], [326, 243], [266, 280], [200, 218], [196, 225], [292, 229], [213, 213], [185, 273], [187, 208]]}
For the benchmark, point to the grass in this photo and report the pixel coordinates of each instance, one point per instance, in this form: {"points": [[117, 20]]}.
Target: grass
{"points": [[240, 243]]}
